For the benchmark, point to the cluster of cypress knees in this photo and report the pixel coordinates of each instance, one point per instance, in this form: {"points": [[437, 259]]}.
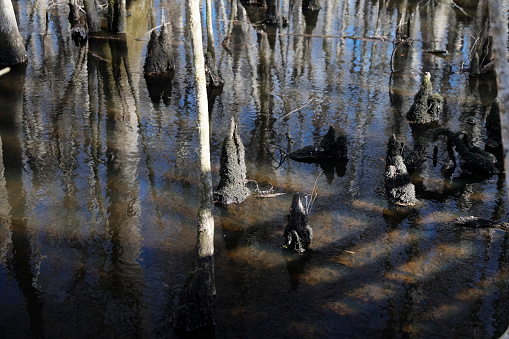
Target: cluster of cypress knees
{"points": [[400, 192], [423, 117]]}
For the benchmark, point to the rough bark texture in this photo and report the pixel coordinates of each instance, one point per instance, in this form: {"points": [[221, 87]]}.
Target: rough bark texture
{"points": [[426, 107], [12, 50], [232, 185], [159, 59], [196, 306], [398, 187], [297, 235], [499, 34]]}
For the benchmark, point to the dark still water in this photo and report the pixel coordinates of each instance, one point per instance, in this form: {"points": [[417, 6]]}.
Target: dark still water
{"points": [[99, 177]]}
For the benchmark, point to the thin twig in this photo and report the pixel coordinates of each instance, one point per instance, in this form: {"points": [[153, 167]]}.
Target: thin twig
{"points": [[297, 109], [142, 38], [313, 194], [461, 9]]}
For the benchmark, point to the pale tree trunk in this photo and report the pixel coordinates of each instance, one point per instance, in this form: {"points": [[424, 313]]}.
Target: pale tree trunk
{"points": [[12, 50], [499, 34], [195, 310], [210, 31]]}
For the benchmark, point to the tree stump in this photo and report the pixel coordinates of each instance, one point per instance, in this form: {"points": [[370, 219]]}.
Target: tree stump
{"points": [[159, 58], [398, 187], [297, 234], [232, 184], [427, 106]]}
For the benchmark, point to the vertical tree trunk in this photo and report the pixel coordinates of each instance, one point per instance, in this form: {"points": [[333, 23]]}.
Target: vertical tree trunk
{"points": [[93, 18], [195, 310], [499, 34], [210, 32], [117, 14], [12, 50]]}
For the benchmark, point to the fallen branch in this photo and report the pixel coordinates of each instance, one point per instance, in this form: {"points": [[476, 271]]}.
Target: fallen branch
{"points": [[272, 195]]}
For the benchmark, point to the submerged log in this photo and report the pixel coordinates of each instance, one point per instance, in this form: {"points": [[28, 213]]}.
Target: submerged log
{"points": [[159, 58], [297, 234], [398, 186], [332, 147], [427, 106], [477, 222], [472, 159], [232, 185]]}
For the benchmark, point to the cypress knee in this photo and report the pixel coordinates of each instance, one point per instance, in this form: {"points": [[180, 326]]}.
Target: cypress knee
{"points": [[232, 185], [427, 106], [297, 235], [398, 187], [159, 58]]}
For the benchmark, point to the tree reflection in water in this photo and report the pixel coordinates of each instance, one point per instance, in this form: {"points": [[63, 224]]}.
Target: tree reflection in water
{"points": [[100, 177]]}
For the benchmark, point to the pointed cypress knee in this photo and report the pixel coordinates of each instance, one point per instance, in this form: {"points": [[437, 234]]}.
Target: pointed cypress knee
{"points": [[398, 187], [232, 184], [297, 235], [159, 58], [427, 106]]}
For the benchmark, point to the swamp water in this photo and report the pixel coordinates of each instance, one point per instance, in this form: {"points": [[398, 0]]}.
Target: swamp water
{"points": [[99, 176]]}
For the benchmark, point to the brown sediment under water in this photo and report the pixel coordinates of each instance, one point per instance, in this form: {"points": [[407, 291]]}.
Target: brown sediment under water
{"points": [[99, 177]]}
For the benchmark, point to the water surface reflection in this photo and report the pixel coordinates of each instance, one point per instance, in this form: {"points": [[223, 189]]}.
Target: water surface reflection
{"points": [[99, 177]]}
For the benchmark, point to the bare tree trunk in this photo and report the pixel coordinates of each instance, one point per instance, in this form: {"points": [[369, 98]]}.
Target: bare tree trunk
{"points": [[12, 50], [117, 14], [195, 310], [210, 32], [499, 34]]}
